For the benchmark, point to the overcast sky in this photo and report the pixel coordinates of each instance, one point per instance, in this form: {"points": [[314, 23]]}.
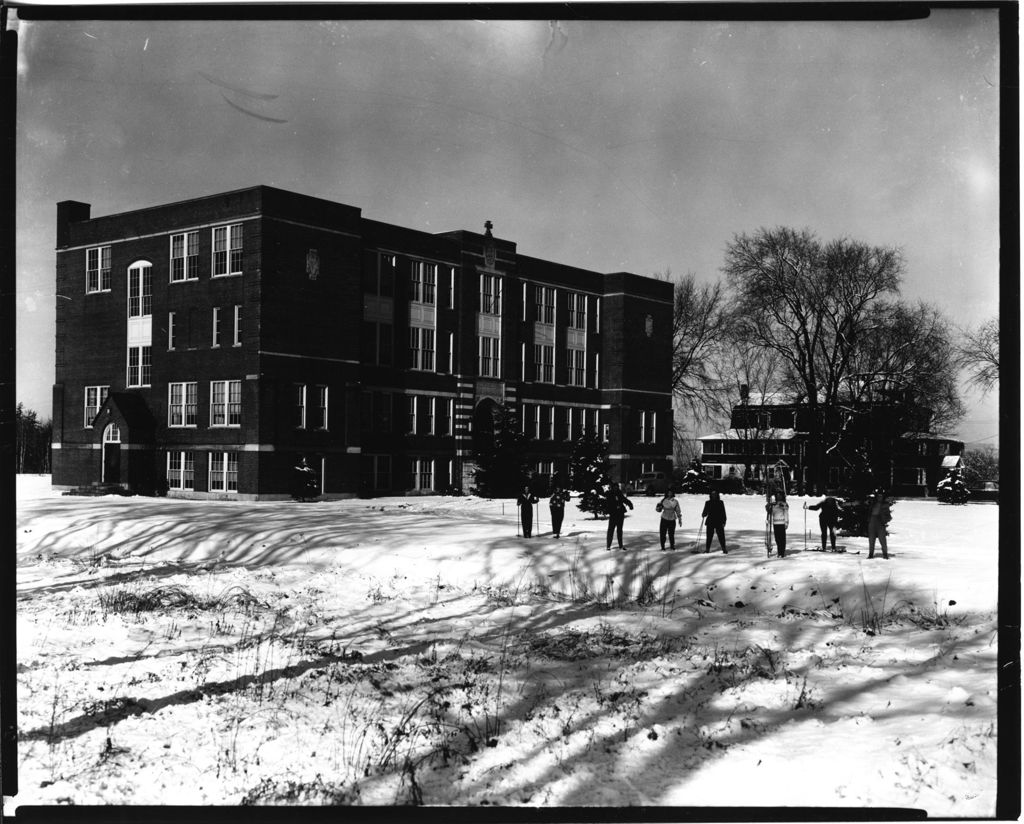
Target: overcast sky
{"points": [[638, 146]]}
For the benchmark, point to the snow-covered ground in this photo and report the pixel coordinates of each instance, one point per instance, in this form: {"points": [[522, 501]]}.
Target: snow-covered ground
{"points": [[415, 650]]}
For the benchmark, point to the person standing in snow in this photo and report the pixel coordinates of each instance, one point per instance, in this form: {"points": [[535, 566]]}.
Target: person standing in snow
{"points": [[526, 500], [778, 514], [879, 512], [557, 505], [615, 503], [671, 514], [828, 519], [714, 520]]}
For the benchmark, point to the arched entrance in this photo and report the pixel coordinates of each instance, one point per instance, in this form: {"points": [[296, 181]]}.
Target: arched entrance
{"points": [[111, 458]]}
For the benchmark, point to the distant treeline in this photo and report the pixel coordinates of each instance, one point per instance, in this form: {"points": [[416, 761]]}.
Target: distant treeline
{"points": [[32, 442]]}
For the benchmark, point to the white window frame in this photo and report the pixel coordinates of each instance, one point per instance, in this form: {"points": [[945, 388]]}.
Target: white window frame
{"points": [[449, 416], [97, 266], [188, 257], [544, 362], [577, 363], [597, 371], [100, 393], [183, 408], [423, 282], [232, 251], [323, 406], [490, 294], [224, 465], [170, 330], [412, 415], [140, 305], [545, 300], [183, 474], [140, 373], [577, 309], [215, 328], [451, 287], [522, 362], [451, 353], [237, 326], [420, 469], [488, 356], [422, 344], [221, 412], [300, 405]]}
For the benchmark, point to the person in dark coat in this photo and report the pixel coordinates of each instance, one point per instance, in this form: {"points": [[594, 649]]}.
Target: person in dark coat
{"points": [[714, 523], [879, 512], [615, 503], [828, 519], [304, 480], [526, 500], [557, 505], [778, 514]]}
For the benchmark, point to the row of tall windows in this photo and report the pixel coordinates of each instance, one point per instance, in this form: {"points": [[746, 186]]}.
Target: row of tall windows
{"points": [[418, 414], [556, 422], [222, 471], [225, 403], [424, 474], [226, 259], [225, 328]]}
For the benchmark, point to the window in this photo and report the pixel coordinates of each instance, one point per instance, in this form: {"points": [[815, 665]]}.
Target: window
{"points": [[544, 362], [446, 420], [225, 403], [181, 470], [590, 420], [224, 472], [377, 343], [421, 474], [236, 338], [421, 342], [376, 412], [943, 448], [411, 409], [97, 269], [377, 472], [170, 330], [490, 294], [712, 447], [530, 419], [597, 371], [181, 404], [94, 397], [140, 291], [227, 250], [543, 422], [605, 433], [430, 411], [299, 406], [489, 356], [565, 416], [381, 281], [522, 362], [577, 311], [597, 313], [451, 353], [139, 365], [647, 426], [216, 327], [545, 469], [524, 302], [577, 361], [320, 410], [424, 282], [545, 304], [184, 256], [451, 287]]}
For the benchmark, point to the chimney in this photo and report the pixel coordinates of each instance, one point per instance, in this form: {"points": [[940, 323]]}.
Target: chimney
{"points": [[744, 393], [68, 212]]}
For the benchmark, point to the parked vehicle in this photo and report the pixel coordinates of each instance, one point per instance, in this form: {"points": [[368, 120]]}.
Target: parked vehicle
{"points": [[650, 483], [987, 491]]}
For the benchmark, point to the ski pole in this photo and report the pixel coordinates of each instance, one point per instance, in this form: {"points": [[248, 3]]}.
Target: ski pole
{"points": [[805, 526], [696, 543], [519, 518]]}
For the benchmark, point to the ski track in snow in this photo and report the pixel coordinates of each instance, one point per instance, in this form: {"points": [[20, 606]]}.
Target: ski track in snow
{"points": [[400, 650]]}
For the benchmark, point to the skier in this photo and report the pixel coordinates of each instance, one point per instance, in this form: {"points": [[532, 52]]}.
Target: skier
{"points": [[526, 501], [557, 504], [828, 519], [670, 516], [778, 515], [615, 503], [879, 512], [714, 515]]}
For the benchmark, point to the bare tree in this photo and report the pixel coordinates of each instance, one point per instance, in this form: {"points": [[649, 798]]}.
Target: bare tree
{"points": [[808, 305], [698, 326], [979, 355]]}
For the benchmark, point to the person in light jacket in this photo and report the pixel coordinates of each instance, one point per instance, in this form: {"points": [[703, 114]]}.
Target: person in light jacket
{"points": [[671, 514], [778, 514], [714, 521], [557, 505]]}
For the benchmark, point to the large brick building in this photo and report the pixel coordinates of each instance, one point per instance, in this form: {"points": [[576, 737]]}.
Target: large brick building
{"points": [[203, 346]]}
